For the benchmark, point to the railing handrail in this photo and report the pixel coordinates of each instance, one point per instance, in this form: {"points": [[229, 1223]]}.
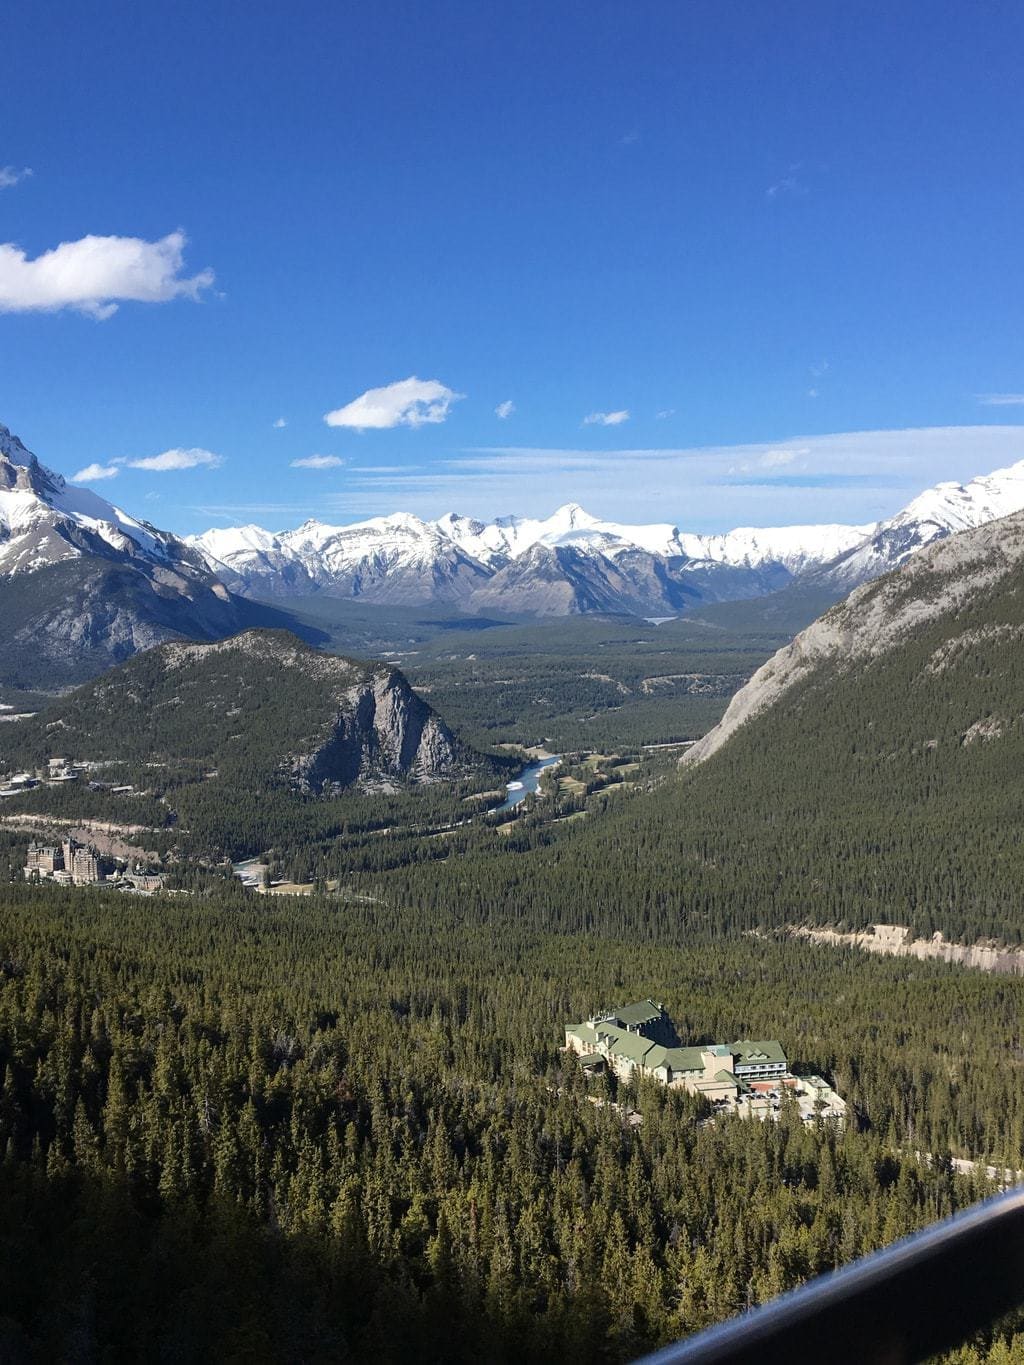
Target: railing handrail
{"points": [[922, 1295]]}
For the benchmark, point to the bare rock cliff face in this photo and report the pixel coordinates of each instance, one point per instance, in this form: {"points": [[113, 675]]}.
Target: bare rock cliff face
{"points": [[382, 733], [877, 617]]}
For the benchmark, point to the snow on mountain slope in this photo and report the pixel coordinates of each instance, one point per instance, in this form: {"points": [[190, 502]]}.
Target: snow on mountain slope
{"points": [[83, 585], [398, 557], [796, 548], [44, 520], [462, 554], [944, 510], [496, 543]]}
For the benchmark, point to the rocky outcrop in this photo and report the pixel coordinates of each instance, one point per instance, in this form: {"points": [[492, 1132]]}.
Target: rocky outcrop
{"points": [[383, 732], [895, 940], [342, 722]]}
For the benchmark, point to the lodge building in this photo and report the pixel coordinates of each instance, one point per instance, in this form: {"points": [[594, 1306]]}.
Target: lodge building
{"points": [[640, 1040]]}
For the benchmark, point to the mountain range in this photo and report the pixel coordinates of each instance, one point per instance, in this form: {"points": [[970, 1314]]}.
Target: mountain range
{"points": [[84, 585], [574, 562]]}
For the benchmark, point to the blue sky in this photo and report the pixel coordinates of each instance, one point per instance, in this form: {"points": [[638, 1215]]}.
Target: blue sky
{"points": [[754, 227]]}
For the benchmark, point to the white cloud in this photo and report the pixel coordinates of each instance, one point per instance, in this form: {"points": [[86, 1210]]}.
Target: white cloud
{"points": [[318, 462], [665, 412], [778, 459], [812, 393], [93, 274], [1001, 400], [505, 410], [607, 419], [280, 423], [10, 175], [409, 402], [95, 471], [176, 459]]}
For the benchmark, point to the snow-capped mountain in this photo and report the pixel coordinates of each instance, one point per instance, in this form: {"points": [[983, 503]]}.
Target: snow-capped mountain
{"points": [[83, 585], [44, 520], [397, 559], [568, 562]]}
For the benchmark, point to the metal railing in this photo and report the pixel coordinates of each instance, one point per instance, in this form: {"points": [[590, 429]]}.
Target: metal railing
{"points": [[925, 1294]]}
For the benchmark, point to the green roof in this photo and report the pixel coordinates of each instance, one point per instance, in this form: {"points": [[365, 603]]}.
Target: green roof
{"points": [[758, 1053], [685, 1058], [641, 1051], [630, 1045], [725, 1076], [643, 1012]]}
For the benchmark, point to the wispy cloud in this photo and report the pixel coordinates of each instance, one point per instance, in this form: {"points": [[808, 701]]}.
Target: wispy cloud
{"points": [[505, 410], [607, 419], [176, 459], [1001, 400], [408, 402], [318, 462], [95, 471], [233, 512], [280, 424], [856, 477], [629, 139], [94, 274], [665, 412], [163, 463], [788, 184], [10, 175]]}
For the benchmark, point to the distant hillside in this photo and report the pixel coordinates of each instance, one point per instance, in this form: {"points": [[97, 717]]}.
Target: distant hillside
{"points": [[946, 626], [872, 769], [261, 707]]}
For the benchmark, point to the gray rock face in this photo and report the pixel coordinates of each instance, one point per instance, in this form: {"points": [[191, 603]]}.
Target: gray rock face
{"points": [[879, 616], [382, 732]]}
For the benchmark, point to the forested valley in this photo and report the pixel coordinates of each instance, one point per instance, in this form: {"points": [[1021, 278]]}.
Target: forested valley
{"points": [[301, 1130], [342, 1127]]}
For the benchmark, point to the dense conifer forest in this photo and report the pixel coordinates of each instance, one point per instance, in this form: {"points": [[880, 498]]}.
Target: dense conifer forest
{"points": [[239, 1129]]}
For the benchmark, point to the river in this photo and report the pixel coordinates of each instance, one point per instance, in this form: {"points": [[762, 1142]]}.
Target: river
{"points": [[527, 782]]}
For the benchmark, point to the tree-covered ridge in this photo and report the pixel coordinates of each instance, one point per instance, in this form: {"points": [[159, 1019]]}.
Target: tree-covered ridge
{"points": [[260, 711], [933, 590], [289, 1132]]}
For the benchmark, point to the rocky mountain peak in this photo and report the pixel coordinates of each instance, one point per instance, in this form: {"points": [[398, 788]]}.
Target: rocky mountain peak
{"points": [[19, 468]]}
